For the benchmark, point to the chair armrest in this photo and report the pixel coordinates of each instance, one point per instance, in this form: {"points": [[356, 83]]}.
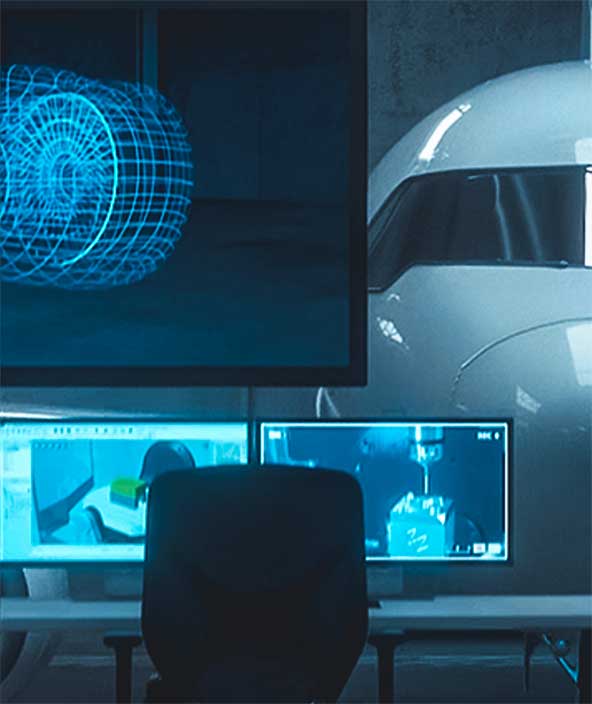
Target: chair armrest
{"points": [[123, 643]]}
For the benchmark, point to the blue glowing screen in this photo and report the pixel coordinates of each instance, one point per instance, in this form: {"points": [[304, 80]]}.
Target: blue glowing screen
{"points": [[432, 491], [182, 194], [74, 491], [95, 180]]}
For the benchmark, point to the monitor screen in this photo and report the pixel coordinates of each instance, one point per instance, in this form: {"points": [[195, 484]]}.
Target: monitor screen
{"points": [[77, 490], [183, 193], [433, 491]]}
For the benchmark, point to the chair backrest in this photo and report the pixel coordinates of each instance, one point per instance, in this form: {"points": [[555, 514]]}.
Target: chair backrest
{"points": [[256, 567]]}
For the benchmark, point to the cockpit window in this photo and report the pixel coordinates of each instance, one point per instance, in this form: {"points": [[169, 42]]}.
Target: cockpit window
{"points": [[528, 215]]}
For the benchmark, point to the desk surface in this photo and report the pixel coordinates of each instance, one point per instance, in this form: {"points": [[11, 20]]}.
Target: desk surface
{"points": [[441, 613], [524, 612]]}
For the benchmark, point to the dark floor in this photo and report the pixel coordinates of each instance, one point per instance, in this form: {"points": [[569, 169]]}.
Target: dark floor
{"points": [[81, 670]]}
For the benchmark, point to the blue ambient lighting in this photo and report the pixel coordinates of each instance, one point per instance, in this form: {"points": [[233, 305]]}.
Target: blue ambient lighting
{"points": [[95, 180]]}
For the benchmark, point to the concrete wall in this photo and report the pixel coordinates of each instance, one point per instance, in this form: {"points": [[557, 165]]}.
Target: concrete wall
{"points": [[421, 53]]}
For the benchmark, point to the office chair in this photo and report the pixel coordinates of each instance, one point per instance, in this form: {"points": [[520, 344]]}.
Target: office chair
{"points": [[254, 585]]}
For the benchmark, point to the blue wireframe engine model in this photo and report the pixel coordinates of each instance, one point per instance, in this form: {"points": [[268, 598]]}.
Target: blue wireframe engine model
{"points": [[95, 180]]}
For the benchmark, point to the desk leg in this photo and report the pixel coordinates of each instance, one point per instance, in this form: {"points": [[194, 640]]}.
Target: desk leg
{"points": [[585, 667], [386, 646], [123, 666], [386, 673], [123, 643]]}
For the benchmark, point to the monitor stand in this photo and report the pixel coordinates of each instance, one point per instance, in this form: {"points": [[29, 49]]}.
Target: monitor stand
{"points": [[124, 583], [99, 582], [397, 582], [384, 582]]}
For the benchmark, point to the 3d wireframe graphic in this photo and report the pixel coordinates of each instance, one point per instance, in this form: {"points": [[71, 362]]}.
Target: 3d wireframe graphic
{"points": [[95, 180]]}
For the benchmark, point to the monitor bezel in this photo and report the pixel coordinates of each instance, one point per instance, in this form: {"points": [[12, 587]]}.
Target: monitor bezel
{"points": [[84, 563], [405, 564], [352, 374]]}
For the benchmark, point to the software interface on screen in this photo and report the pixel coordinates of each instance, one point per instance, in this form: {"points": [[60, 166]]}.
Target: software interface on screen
{"points": [[432, 491], [78, 490]]}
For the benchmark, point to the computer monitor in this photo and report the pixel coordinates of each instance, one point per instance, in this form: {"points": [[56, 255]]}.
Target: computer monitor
{"points": [[76, 490], [433, 490]]}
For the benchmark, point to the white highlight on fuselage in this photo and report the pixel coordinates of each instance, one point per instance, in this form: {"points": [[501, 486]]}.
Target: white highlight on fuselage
{"points": [[427, 153]]}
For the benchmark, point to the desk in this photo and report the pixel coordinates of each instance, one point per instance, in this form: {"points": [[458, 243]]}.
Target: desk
{"points": [[19, 614], [395, 622], [398, 622]]}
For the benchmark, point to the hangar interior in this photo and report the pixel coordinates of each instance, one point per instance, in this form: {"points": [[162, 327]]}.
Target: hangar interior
{"points": [[476, 327]]}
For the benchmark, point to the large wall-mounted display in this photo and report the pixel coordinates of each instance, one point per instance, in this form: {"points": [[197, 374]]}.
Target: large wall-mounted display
{"points": [[183, 193]]}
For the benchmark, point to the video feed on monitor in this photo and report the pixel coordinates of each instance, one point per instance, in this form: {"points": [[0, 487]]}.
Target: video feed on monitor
{"points": [[432, 491], [182, 187], [78, 490]]}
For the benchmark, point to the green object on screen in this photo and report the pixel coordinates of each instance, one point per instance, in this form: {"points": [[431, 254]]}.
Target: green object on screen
{"points": [[127, 491]]}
